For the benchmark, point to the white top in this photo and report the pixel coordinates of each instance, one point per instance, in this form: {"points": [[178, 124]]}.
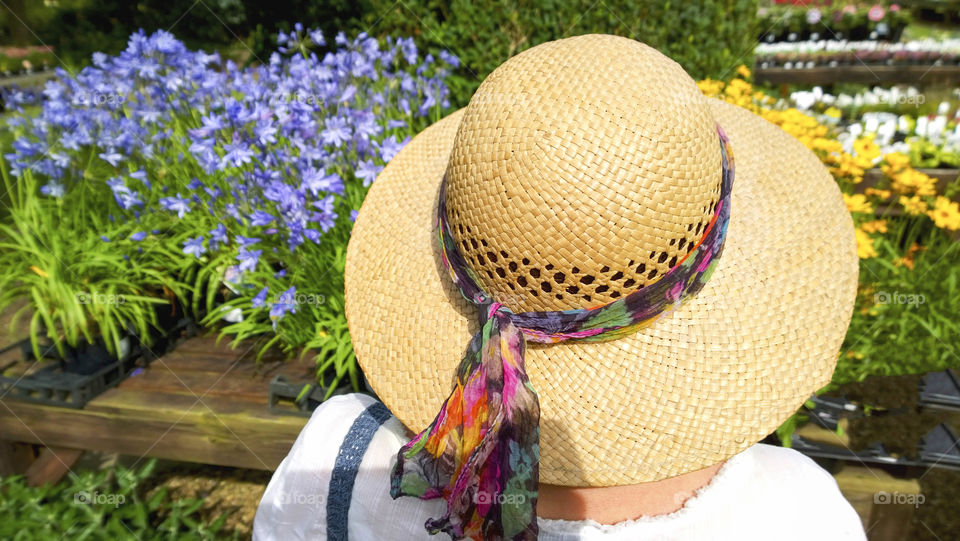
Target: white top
{"points": [[757, 494]]}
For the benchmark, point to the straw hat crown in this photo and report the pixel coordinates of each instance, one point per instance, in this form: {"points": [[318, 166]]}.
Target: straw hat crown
{"points": [[582, 169]]}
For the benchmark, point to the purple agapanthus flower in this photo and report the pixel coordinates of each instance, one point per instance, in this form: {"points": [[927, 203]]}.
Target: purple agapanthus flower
{"points": [[368, 171], [218, 236], [286, 303], [176, 204], [236, 155], [113, 158], [248, 259], [318, 182], [194, 246], [260, 298], [245, 241], [261, 218], [336, 132]]}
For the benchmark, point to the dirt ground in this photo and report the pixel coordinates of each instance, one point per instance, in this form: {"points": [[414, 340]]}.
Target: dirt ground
{"points": [[235, 492]]}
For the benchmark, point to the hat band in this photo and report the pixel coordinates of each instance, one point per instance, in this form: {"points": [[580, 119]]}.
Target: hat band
{"points": [[481, 452]]}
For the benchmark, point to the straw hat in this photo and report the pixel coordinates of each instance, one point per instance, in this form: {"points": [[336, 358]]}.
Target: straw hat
{"points": [[580, 171]]}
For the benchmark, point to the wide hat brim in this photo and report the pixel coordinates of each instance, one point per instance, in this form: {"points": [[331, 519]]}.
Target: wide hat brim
{"points": [[698, 386]]}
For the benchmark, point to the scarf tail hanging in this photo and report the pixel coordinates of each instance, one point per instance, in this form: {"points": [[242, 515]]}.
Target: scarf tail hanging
{"points": [[481, 452]]}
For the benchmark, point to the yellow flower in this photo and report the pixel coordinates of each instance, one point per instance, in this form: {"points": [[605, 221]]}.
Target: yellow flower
{"points": [[710, 87], [874, 192], [857, 203], [896, 161], [832, 112], [866, 150], [946, 214], [827, 145], [912, 181], [875, 226], [865, 248], [743, 71], [913, 205]]}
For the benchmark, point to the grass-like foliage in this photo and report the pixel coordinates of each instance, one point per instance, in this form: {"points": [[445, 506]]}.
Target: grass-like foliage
{"points": [[108, 504]]}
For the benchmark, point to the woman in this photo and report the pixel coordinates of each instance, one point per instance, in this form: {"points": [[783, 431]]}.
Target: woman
{"points": [[621, 371]]}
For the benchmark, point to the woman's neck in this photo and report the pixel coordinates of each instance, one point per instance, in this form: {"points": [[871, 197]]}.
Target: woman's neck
{"points": [[609, 505]]}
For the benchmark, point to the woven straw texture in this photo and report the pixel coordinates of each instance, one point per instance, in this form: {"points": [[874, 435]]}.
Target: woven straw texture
{"points": [[588, 157]]}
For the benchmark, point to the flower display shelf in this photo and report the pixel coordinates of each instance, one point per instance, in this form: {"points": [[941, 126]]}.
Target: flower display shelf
{"points": [[919, 75], [23, 79]]}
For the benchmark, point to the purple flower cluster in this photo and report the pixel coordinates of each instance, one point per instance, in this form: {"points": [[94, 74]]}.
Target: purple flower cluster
{"points": [[253, 161]]}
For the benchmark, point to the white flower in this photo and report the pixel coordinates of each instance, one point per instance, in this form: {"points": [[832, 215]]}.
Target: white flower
{"points": [[233, 316]]}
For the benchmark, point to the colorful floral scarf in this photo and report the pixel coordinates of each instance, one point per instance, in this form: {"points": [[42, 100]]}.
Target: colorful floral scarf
{"points": [[481, 452]]}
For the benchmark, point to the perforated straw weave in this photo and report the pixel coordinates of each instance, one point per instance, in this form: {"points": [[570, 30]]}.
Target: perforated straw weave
{"points": [[580, 171]]}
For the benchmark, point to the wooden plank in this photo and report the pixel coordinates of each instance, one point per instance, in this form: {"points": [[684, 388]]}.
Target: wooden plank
{"points": [[199, 433], [876, 496], [159, 379], [51, 465], [816, 433], [160, 405], [180, 361], [867, 74]]}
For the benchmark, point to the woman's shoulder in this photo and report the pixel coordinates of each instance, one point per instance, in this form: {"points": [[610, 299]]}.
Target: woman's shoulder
{"points": [[338, 469], [788, 479]]}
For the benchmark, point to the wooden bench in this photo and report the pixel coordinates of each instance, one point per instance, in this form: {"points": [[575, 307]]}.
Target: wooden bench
{"points": [[204, 402]]}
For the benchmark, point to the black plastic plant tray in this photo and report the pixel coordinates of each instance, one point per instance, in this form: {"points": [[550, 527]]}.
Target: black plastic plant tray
{"points": [[938, 449], [827, 411], [85, 373], [300, 399], [940, 390], [67, 384], [876, 453]]}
